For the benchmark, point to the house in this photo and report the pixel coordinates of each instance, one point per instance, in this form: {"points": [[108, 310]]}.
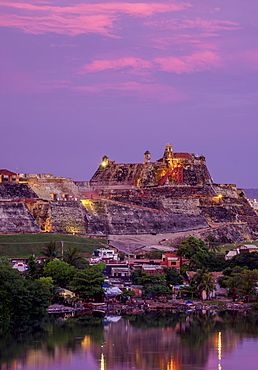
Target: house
{"points": [[20, 264], [8, 177], [172, 260], [243, 248]]}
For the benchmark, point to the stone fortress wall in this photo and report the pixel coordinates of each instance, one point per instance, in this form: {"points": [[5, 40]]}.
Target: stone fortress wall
{"points": [[173, 194]]}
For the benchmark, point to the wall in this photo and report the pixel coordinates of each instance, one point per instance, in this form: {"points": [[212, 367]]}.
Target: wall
{"points": [[16, 218]]}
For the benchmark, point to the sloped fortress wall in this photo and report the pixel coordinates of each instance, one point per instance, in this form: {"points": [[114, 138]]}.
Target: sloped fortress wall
{"points": [[109, 217], [16, 218], [16, 192], [68, 217]]}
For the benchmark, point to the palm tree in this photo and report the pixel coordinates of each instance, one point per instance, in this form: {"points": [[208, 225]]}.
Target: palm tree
{"points": [[213, 243], [74, 257], [50, 250], [207, 284]]}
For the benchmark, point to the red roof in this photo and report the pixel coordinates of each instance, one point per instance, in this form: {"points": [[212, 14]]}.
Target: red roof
{"points": [[6, 172], [183, 155]]}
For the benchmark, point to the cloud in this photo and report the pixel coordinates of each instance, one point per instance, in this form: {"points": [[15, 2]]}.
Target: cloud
{"points": [[189, 64], [148, 91], [103, 65], [196, 62], [73, 20], [210, 25]]}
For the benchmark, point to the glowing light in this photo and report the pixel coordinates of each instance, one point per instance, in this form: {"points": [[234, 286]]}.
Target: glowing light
{"points": [[103, 164], [86, 202], [219, 345], [170, 365], [86, 342], [102, 362]]}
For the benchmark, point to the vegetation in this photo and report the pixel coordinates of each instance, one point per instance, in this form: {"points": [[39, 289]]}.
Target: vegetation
{"points": [[197, 252], [24, 245], [22, 301], [87, 283], [203, 281], [61, 272]]}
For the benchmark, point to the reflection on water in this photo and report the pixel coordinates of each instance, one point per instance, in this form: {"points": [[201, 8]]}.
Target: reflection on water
{"points": [[223, 341]]}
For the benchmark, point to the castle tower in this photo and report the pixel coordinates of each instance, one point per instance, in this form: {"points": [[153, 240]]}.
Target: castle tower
{"points": [[104, 162], [147, 157], [168, 154]]}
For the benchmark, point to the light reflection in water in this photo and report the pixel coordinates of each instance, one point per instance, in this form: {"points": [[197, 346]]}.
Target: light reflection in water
{"points": [[102, 362], [170, 365], [219, 349]]}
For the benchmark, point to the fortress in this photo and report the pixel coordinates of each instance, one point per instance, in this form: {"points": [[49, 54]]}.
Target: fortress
{"points": [[171, 195]]}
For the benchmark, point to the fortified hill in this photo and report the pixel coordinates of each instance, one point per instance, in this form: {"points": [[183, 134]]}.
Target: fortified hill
{"points": [[171, 195], [171, 169]]}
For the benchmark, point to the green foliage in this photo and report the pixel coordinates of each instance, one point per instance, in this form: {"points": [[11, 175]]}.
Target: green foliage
{"points": [[172, 276], [128, 293], [155, 255], [152, 284], [199, 255], [51, 250], [88, 282], [21, 300], [156, 289], [203, 281], [250, 260], [61, 272], [242, 285], [183, 268], [23, 245], [74, 257], [213, 243], [35, 269]]}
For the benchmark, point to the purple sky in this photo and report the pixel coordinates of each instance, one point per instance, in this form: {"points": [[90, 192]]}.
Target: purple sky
{"points": [[80, 80]]}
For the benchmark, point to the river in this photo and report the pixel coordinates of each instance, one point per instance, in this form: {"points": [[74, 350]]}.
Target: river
{"points": [[176, 341]]}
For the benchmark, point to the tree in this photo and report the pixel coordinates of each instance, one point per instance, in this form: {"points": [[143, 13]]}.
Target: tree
{"points": [[61, 272], [22, 301], [172, 276], [213, 243], [88, 282], [74, 257], [250, 260], [199, 255], [203, 281], [195, 250], [242, 285], [207, 284], [50, 250]]}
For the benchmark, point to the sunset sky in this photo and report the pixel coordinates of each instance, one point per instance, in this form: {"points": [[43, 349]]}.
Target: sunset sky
{"points": [[80, 80]]}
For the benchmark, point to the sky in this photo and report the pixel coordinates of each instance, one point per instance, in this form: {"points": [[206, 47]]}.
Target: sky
{"points": [[79, 80]]}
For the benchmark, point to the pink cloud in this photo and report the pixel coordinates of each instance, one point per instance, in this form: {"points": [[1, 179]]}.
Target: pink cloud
{"points": [[196, 62], [80, 18], [103, 65], [149, 91], [189, 64], [211, 24]]}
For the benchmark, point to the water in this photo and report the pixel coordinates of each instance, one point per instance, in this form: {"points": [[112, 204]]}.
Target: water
{"points": [[205, 341]]}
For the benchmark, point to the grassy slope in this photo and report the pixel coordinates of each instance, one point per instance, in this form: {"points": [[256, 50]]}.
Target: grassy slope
{"points": [[23, 248], [227, 247]]}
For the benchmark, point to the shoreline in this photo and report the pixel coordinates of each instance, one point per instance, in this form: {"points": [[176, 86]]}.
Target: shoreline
{"points": [[141, 307]]}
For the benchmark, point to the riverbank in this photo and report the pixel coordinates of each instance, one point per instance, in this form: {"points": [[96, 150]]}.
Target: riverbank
{"points": [[144, 306]]}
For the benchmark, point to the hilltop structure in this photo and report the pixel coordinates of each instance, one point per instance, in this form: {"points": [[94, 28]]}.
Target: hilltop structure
{"points": [[173, 194]]}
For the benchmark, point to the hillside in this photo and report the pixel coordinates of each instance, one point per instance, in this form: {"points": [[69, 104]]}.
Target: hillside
{"points": [[23, 245]]}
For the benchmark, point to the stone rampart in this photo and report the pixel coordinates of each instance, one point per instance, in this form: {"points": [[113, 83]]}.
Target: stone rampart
{"points": [[56, 188], [16, 218], [16, 192], [68, 217], [115, 218]]}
